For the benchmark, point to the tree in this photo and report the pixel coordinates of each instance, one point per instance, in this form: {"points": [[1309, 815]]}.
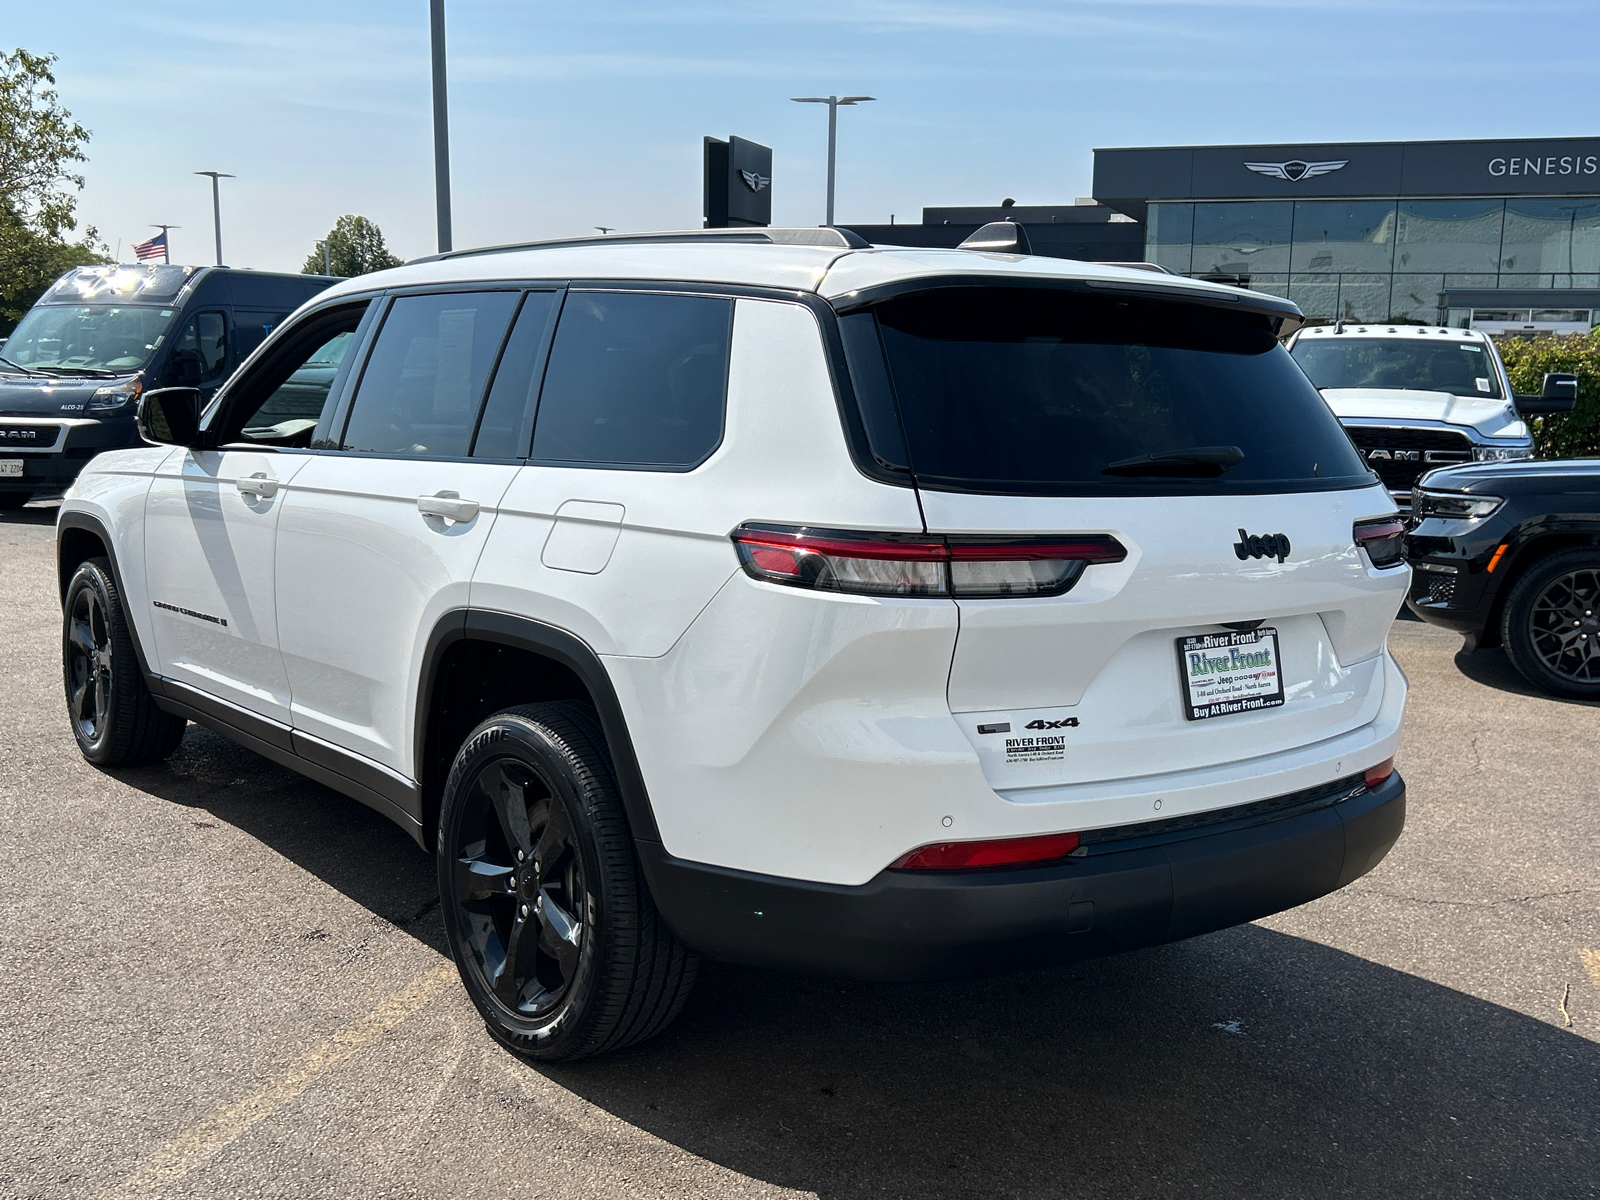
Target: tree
{"points": [[354, 247], [39, 142], [1564, 435]]}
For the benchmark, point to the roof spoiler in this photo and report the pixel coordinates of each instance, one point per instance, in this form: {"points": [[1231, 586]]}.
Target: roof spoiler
{"points": [[999, 237]]}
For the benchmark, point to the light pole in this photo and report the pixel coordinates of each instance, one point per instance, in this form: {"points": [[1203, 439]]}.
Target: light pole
{"points": [[441, 126], [833, 103], [216, 207]]}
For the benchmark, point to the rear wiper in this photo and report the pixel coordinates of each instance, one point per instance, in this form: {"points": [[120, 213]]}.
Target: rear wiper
{"points": [[23, 369], [1194, 462]]}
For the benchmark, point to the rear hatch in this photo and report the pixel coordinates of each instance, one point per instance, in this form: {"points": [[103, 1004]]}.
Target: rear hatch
{"points": [[1242, 618]]}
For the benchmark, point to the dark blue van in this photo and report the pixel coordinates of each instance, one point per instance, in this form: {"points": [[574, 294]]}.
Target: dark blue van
{"points": [[72, 372]]}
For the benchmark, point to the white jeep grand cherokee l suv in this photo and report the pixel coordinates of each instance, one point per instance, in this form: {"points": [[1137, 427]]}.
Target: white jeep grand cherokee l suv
{"points": [[773, 597]]}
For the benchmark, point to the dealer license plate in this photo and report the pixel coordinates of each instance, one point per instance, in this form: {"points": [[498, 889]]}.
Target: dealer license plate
{"points": [[10, 466], [1227, 673]]}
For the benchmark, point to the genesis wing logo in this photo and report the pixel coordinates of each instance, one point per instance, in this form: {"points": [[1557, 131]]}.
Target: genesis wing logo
{"points": [[756, 182], [1296, 169]]}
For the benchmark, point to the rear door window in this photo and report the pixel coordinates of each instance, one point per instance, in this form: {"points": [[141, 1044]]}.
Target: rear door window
{"points": [[1053, 392], [424, 380], [507, 419], [635, 379]]}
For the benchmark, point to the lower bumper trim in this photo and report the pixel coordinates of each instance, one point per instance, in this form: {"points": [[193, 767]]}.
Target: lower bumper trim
{"points": [[904, 926]]}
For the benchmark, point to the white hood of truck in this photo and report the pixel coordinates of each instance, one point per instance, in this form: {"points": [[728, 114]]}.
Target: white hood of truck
{"points": [[1490, 418]]}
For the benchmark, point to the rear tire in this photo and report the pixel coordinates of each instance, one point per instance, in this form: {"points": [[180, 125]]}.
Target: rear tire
{"points": [[113, 715], [11, 501], [546, 908], [1551, 624]]}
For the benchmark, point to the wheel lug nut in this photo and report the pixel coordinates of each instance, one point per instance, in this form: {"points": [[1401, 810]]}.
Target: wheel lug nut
{"points": [[513, 881], [519, 855], [524, 910]]}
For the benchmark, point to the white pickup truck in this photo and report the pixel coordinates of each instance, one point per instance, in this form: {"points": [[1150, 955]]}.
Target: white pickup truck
{"points": [[1415, 397]]}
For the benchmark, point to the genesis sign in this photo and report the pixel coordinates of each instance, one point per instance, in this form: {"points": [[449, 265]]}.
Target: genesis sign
{"points": [[1128, 179], [1550, 164]]}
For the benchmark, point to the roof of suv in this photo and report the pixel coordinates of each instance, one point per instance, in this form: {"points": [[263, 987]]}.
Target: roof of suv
{"points": [[833, 272], [1381, 329]]}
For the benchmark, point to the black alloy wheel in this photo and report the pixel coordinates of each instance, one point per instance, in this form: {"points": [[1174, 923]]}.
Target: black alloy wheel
{"points": [[520, 890], [88, 665], [546, 909], [114, 717], [1551, 628]]}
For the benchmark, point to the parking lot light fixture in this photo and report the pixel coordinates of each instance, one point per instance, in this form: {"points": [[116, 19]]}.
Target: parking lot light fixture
{"points": [[833, 103], [216, 207]]}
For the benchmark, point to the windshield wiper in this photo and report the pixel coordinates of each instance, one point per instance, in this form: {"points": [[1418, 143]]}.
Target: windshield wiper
{"points": [[92, 372], [23, 369], [1193, 462]]}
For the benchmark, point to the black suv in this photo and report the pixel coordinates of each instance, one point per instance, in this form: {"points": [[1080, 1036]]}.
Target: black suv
{"points": [[72, 371], [1509, 554]]}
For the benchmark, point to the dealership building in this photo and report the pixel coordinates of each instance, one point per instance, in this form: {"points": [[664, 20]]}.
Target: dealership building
{"points": [[1494, 234]]}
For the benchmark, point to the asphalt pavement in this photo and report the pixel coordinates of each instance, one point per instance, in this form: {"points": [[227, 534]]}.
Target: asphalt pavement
{"points": [[218, 979]]}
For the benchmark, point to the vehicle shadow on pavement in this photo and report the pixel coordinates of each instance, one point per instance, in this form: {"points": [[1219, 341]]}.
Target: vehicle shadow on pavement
{"points": [[1493, 669], [1246, 1063], [34, 514], [339, 840]]}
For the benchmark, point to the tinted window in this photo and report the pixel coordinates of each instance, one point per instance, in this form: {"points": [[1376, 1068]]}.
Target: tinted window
{"points": [[508, 413], [425, 377], [200, 350], [1031, 391], [1460, 368], [635, 379], [295, 406]]}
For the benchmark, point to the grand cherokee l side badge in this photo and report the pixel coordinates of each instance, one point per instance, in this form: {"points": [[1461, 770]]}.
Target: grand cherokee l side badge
{"points": [[1264, 545]]}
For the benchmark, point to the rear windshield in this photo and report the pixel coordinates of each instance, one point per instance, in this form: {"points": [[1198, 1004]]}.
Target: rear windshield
{"points": [[1029, 391], [1407, 364]]}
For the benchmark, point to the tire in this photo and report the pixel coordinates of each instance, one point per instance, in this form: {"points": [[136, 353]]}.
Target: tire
{"points": [[569, 958], [11, 501], [1551, 624], [113, 715]]}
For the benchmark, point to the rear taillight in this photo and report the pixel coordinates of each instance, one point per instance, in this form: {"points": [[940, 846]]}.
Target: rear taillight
{"points": [[1384, 540], [878, 564], [1376, 775], [999, 852]]}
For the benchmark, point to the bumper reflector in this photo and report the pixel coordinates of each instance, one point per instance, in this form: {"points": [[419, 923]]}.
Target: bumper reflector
{"points": [[1495, 560], [1000, 852], [1376, 775]]}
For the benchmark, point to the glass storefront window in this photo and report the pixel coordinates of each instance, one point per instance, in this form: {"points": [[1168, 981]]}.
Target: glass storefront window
{"points": [[1343, 235], [1353, 297], [1416, 299], [1235, 240], [1272, 285], [1449, 235], [1560, 236], [1168, 236]]}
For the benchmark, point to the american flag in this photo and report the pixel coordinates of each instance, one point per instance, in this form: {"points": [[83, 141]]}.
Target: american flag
{"points": [[156, 247]]}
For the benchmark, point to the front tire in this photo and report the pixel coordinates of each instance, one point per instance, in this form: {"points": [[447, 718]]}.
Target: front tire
{"points": [[114, 716], [546, 909], [1551, 624]]}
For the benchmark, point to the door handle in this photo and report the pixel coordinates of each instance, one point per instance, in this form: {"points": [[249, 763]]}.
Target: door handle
{"points": [[260, 485], [449, 505]]}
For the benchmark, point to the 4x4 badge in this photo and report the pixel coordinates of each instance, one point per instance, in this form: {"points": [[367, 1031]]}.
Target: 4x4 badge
{"points": [[1262, 545]]}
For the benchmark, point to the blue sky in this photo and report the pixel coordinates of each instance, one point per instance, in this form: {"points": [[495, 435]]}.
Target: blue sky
{"points": [[566, 116]]}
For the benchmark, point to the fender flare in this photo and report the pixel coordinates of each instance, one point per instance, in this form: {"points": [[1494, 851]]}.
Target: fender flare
{"points": [[89, 523], [547, 641]]}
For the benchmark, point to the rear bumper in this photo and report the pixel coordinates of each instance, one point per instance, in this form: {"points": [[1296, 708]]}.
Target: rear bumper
{"points": [[1122, 895]]}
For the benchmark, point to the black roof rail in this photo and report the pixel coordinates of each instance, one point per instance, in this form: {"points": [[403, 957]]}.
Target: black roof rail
{"points": [[823, 236]]}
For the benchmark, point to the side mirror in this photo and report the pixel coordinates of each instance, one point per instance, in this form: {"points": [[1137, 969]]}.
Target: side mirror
{"points": [[170, 416], [1559, 395]]}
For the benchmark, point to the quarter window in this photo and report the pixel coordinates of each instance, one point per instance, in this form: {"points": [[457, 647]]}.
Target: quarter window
{"points": [[635, 379], [424, 380]]}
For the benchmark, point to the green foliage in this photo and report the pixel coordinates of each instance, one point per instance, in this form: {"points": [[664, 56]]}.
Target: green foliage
{"points": [[1562, 435], [354, 247], [30, 262], [39, 141]]}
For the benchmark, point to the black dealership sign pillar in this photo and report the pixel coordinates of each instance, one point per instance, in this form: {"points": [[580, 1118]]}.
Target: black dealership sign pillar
{"points": [[738, 183]]}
